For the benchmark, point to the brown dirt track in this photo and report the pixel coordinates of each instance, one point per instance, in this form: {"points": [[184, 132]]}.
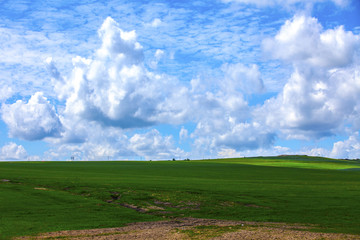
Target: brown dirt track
{"points": [[192, 228]]}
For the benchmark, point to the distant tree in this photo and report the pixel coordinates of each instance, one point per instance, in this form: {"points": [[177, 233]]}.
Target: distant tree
{"points": [[173, 159]]}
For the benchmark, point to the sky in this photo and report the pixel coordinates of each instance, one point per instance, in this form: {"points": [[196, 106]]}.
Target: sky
{"points": [[152, 80]]}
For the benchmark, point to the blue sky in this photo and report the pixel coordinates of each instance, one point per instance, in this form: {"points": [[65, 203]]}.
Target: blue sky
{"points": [[179, 79]]}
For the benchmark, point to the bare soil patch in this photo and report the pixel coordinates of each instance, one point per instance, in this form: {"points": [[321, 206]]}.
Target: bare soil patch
{"points": [[193, 228]]}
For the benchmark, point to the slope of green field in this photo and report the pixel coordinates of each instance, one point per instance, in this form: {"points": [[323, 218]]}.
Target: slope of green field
{"points": [[296, 161], [48, 196]]}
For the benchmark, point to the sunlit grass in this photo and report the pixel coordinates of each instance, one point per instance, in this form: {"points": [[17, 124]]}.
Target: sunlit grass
{"points": [[295, 162], [50, 196]]}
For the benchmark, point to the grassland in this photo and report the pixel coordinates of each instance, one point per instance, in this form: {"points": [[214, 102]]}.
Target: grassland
{"points": [[49, 196]]}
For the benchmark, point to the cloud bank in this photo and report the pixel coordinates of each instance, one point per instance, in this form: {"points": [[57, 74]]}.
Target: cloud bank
{"points": [[111, 105], [12, 151], [114, 89], [322, 93]]}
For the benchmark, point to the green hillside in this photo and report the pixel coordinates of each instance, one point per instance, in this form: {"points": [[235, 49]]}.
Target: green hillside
{"points": [[48, 196], [297, 161]]}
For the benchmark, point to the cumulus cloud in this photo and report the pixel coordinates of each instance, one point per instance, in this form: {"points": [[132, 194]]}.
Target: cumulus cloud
{"points": [[118, 44], [267, 151], [244, 79], [114, 144], [302, 40], [89, 141], [227, 133], [99, 151], [34, 120], [224, 117], [154, 146], [57, 80], [112, 92], [316, 152], [349, 148], [323, 91], [229, 153], [12, 151], [244, 136], [114, 88]]}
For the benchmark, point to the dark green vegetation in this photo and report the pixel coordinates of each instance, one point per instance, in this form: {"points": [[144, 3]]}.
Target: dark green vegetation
{"points": [[49, 196]]}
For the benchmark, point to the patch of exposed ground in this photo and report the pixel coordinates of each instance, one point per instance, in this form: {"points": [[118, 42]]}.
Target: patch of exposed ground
{"points": [[155, 206], [41, 188], [192, 228]]}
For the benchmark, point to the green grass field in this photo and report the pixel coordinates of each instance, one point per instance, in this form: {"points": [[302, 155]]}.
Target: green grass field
{"points": [[49, 196]]}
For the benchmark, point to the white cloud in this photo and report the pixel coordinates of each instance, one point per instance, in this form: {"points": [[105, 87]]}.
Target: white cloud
{"points": [[34, 120], [102, 151], [156, 22], [349, 148], [89, 141], [118, 44], [23, 51], [12, 151], [302, 40], [223, 117], [264, 3], [224, 125], [17, 47], [158, 54], [115, 89], [268, 151], [241, 78], [5, 92], [154, 146], [216, 134], [315, 152], [243, 136], [183, 134], [229, 153], [157, 57], [323, 91]]}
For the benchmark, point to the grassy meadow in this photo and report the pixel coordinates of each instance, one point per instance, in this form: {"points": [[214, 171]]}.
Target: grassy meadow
{"points": [[50, 196]]}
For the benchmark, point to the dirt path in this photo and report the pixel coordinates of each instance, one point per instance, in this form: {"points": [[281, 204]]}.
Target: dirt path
{"points": [[192, 228]]}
